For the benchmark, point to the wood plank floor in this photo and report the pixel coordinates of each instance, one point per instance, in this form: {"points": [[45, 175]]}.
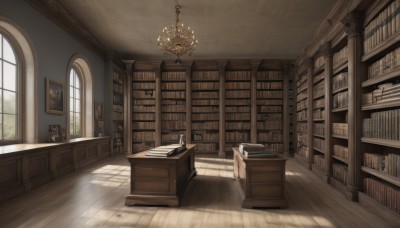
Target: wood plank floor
{"points": [[95, 196]]}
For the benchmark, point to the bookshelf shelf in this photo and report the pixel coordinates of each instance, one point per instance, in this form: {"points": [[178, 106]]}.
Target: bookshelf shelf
{"points": [[391, 75], [340, 159], [319, 136], [319, 96], [302, 89], [382, 142], [389, 178], [319, 150], [393, 40], [344, 109], [340, 90], [118, 119], [318, 120], [340, 68], [340, 137], [388, 104]]}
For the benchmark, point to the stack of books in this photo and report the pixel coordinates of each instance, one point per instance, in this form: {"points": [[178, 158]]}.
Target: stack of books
{"points": [[166, 151], [251, 150]]}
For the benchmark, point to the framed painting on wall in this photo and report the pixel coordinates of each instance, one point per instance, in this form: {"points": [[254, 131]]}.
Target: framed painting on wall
{"points": [[98, 111], [55, 97]]}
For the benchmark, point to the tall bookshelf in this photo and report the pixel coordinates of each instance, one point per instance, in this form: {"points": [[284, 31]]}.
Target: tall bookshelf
{"points": [[143, 111], [291, 116], [380, 167], [340, 100], [318, 116], [173, 106], [118, 91], [270, 110], [237, 108], [302, 150], [205, 111]]}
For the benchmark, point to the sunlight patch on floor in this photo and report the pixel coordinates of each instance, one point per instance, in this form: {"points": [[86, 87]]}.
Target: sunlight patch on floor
{"points": [[111, 176]]}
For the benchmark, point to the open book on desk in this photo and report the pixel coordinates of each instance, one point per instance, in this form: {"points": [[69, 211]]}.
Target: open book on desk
{"points": [[166, 151]]}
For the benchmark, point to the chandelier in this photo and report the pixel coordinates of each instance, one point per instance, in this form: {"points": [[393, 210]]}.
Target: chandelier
{"points": [[177, 40]]}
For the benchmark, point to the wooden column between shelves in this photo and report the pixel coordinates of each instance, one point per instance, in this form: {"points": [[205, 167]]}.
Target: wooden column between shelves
{"points": [[310, 125], [128, 105], [189, 104], [353, 26], [157, 70], [253, 96], [286, 122], [221, 71], [327, 52], [295, 131]]}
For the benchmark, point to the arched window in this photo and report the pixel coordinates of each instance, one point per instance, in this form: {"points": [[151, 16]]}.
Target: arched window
{"points": [[75, 103], [9, 93]]}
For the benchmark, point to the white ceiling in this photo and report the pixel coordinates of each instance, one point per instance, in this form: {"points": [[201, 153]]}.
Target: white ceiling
{"points": [[226, 29]]}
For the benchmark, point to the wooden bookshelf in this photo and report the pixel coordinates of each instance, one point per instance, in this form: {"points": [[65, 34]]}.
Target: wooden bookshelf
{"points": [[118, 110], [302, 150], [205, 111], [270, 110], [143, 111]]}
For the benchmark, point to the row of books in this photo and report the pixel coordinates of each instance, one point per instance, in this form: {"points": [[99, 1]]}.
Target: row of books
{"points": [[237, 94], [140, 94], [340, 57], [302, 105], [269, 75], [319, 160], [340, 100], [339, 81], [389, 63], [319, 77], [319, 62], [172, 136], [319, 89], [117, 77], [237, 136], [237, 125], [384, 193], [341, 151], [117, 116], [237, 109], [273, 136], [173, 125], [205, 109], [205, 76], [172, 108], [319, 103], [143, 102], [237, 85], [269, 85], [143, 125], [118, 88], [302, 95], [302, 115], [319, 114], [118, 99], [269, 125], [173, 86], [301, 127], [143, 116], [205, 116], [173, 94], [303, 151], [386, 92], [207, 125], [141, 146], [237, 102], [340, 129], [202, 136], [118, 108], [143, 136], [269, 108], [206, 102], [319, 144], [143, 85], [173, 76], [206, 147], [389, 164], [339, 172], [274, 147], [269, 102], [172, 102], [118, 126], [382, 125], [205, 85], [238, 76], [270, 116], [301, 81], [319, 128], [386, 24], [174, 116], [238, 116], [144, 76], [270, 94]]}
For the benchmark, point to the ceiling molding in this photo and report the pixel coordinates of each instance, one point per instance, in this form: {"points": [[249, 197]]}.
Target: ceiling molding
{"points": [[60, 15]]}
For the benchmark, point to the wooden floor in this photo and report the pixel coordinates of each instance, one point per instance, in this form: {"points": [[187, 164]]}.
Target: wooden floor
{"points": [[95, 196]]}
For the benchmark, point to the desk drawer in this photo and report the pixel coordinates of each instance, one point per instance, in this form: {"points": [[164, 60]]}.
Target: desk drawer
{"points": [[151, 172], [271, 177]]}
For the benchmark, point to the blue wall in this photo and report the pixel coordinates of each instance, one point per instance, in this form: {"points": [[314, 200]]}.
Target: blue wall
{"points": [[54, 47]]}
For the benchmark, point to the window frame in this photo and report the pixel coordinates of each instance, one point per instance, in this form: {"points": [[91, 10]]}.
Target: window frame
{"points": [[79, 74]]}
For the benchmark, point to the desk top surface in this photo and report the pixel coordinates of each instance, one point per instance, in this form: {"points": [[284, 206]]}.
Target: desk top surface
{"points": [[142, 155], [279, 157]]}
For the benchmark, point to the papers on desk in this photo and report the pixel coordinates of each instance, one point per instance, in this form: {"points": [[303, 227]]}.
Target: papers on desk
{"points": [[251, 150], [166, 151]]}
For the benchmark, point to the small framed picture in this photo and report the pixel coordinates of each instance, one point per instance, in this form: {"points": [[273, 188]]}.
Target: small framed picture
{"points": [[55, 132], [55, 97], [98, 111]]}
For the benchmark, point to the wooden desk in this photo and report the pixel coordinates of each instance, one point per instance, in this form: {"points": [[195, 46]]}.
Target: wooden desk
{"points": [[160, 181], [261, 181]]}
